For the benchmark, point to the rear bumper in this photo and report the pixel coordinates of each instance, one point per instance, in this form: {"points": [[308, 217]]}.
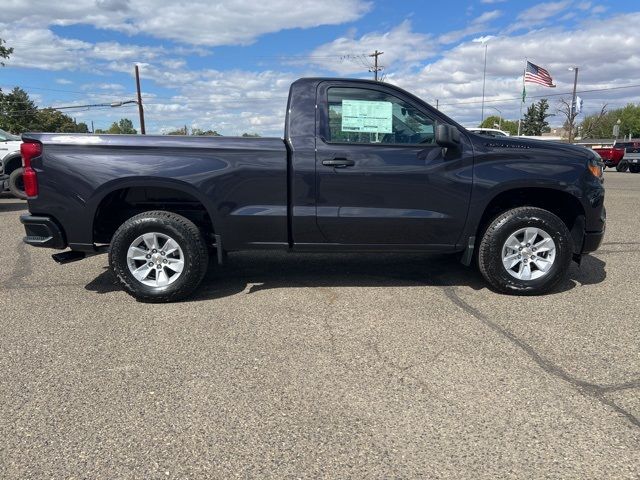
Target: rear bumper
{"points": [[43, 232]]}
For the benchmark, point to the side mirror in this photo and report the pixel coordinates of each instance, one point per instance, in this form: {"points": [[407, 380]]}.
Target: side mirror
{"points": [[447, 136]]}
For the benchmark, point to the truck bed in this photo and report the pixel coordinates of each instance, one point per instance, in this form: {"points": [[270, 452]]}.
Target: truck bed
{"points": [[241, 181]]}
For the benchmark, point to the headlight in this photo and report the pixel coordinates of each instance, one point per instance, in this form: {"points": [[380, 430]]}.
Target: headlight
{"points": [[596, 166]]}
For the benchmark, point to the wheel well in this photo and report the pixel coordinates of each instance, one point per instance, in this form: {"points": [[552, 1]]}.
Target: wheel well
{"points": [[12, 164], [120, 205], [563, 204]]}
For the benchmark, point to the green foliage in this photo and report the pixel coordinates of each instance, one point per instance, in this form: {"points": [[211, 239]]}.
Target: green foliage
{"points": [[535, 120], [180, 131], [50, 120], [5, 52], [249, 135], [601, 125], [124, 126], [18, 114], [205, 133], [492, 121]]}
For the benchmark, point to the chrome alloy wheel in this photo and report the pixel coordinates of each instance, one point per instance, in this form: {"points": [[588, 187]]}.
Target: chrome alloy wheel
{"points": [[528, 253], [155, 259]]}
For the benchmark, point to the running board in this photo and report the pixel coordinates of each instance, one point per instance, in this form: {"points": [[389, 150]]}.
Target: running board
{"points": [[70, 256]]}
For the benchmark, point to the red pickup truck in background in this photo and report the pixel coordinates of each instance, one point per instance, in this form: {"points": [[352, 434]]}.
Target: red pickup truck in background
{"points": [[612, 156]]}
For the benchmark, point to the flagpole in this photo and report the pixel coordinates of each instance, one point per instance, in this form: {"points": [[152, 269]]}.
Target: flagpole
{"points": [[524, 71]]}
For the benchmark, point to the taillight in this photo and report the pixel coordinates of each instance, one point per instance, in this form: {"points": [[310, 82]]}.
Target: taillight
{"points": [[29, 151]]}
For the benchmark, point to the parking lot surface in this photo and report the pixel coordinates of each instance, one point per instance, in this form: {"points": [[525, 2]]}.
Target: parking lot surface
{"points": [[337, 366]]}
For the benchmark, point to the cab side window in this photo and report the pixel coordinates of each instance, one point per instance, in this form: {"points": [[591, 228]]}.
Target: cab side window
{"points": [[362, 116]]}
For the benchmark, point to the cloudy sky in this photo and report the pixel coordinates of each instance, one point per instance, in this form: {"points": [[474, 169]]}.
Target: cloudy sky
{"points": [[227, 65]]}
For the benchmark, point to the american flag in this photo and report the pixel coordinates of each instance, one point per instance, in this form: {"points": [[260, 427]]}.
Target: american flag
{"points": [[536, 74]]}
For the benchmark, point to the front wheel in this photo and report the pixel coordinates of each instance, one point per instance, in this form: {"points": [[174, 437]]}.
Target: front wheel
{"points": [[158, 256], [525, 251], [16, 184], [622, 166]]}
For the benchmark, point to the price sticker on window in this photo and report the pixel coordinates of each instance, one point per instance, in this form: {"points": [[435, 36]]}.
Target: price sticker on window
{"points": [[367, 116]]}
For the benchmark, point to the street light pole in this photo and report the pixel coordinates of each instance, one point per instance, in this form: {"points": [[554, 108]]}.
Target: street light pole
{"points": [[484, 79], [499, 116], [573, 103]]}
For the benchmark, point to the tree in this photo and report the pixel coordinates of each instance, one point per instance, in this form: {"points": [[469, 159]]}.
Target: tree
{"points": [[535, 120], [249, 135], [510, 126], [592, 124], [600, 125], [179, 131], [18, 113], [569, 116], [51, 120], [206, 133], [122, 126], [5, 52]]}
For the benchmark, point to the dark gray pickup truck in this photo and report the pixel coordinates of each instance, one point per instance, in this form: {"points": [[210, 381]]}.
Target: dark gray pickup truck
{"points": [[363, 166]]}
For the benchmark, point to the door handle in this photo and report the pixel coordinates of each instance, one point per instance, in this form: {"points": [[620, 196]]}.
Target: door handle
{"points": [[338, 163]]}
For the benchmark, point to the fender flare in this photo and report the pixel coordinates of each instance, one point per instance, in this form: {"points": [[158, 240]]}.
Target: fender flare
{"points": [[101, 193]]}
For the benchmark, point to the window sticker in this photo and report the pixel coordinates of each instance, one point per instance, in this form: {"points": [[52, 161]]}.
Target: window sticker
{"points": [[367, 116]]}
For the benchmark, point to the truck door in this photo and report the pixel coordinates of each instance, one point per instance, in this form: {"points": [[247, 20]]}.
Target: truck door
{"points": [[381, 178]]}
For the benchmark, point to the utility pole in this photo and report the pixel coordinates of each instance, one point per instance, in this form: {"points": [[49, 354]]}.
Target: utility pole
{"points": [[140, 109], [437, 103], [572, 108], [376, 68], [92, 130]]}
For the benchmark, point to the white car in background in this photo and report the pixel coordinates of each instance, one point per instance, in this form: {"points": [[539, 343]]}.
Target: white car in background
{"points": [[11, 164], [489, 132]]}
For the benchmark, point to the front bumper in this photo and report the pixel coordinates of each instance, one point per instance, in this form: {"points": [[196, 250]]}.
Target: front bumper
{"points": [[43, 232], [592, 241]]}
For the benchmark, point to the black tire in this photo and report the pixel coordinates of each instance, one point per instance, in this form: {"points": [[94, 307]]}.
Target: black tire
{"points": [[622, 166], [634, 168], [16, 184], [180, 229], [506, 224]]}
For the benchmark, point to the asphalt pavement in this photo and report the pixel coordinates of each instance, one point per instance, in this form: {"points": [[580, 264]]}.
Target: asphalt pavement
{"points": [[322, 366]]}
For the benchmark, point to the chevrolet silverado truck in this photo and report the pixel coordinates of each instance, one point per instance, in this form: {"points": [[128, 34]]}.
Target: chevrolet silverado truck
{"points": [[363, 166]]}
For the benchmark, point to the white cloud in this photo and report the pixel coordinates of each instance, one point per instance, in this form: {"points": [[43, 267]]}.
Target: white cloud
{"points": [[41, 48], [401, 46], [197, 22], [538, 14], [63, 81], [478, 25]]}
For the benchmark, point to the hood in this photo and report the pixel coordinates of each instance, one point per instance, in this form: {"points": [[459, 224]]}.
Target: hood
{"points": [[539, 146]]}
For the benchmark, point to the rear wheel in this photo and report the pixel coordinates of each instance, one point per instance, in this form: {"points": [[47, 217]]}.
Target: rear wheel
{"points": [[525, 251], [622, 166], [16, 184], [158, 256], [634, 168]]}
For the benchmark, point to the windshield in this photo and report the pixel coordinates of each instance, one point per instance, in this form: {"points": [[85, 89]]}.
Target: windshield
{"points": [[6, 136]]}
